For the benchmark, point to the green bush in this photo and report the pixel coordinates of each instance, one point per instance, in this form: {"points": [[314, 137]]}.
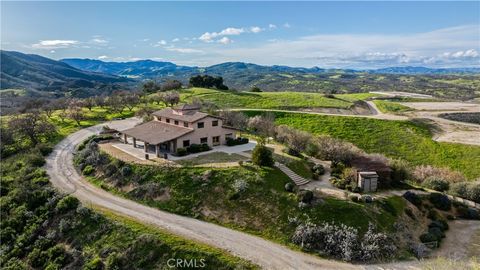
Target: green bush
{"points": [[126, 170], [67, 203], [44, 148], [35, 159], [428, 237], [305, 196], [88, 170], [237, 141], [262, 156], [289, 187], [197, 148], [436, 184], [318, 169], [413, 198], [181, 152], [440, 201]]}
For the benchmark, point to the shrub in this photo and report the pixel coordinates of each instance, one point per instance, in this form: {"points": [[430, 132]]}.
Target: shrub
{"points": [[67, 203], [400, 170], [293, 152], [436, 184], [318, 169], [354, 198], [289, 187], [422, 172], [181, 152], [88, 170], [343, 242], [469, 191], [262, 156], [236, 141], [428, 237], [305, 196], [44, 148], [35, 159], [442, 224], [126, 171], [197, 148], [440, 201], [437, 232], [240, 185], [413, 198]]}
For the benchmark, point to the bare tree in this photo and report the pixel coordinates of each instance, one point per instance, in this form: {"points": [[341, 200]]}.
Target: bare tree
{"points": [[33, 126], [234, 119], [89, 103], [114, 103], [48, 109], [129, 100], [170, 98], [156, 98], [171, 85], [262, 125], [151, 87], [76, 114], [294, 139]]}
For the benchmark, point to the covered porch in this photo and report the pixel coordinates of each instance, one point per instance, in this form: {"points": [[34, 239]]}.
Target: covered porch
{"points": [[158, 149]]}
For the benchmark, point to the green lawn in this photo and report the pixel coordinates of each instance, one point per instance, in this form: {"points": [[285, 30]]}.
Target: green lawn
{"points": [[391, 107], [397, 139], [272, 100], [215, 157]]}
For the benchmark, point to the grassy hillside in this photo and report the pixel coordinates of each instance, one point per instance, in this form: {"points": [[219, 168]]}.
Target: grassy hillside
{"points": [[398, 139], [41, 229], [391, 107], [272, 100], [247, 198]]}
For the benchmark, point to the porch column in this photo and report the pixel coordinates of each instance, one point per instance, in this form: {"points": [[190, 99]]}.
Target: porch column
{"points": [[157, 150], [145, 147], [125, 138], [134, 142]]}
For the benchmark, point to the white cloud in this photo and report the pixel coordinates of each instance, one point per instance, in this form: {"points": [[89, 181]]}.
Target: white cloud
{"points": [[160, 43], [52, 51], [287, 25], [184, 50], [455, 46], [225, 40], [256, 29], [175, 40], [229, 31], [102, 57], [99, 41], [272, 26], [54, 44]]}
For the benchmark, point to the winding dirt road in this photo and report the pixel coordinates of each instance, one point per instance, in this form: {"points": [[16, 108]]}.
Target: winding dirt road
{"points": [[266, 254]]}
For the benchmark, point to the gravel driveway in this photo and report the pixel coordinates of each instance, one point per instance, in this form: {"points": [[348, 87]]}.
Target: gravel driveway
{"points": [[267, 254]]}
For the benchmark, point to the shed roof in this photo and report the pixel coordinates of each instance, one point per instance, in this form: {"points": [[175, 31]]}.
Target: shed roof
{"points": [[155, 132]]}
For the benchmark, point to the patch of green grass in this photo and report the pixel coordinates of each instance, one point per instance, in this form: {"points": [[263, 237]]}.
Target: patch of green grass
{"points": [[300, 166], [214, 157], [272, 100], [408, 140], [391, 107]]}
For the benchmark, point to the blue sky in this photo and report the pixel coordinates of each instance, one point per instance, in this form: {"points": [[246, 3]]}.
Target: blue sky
{"points": [[324, 34]]}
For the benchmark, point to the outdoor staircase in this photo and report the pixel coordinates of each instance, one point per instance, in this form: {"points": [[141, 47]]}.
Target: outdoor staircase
{"points": [[297, 179]]}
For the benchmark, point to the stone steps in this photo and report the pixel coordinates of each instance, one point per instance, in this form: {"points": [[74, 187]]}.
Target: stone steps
{"points": [[297, 179]]}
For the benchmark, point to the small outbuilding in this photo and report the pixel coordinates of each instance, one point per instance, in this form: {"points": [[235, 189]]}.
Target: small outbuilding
{"points": [[367, 181]]}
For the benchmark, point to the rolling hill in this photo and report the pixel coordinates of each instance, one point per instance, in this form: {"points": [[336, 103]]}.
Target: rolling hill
{"points": [[37, 73], [450, 83]]}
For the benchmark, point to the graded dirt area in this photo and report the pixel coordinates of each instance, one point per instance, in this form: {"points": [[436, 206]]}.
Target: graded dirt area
{"points": [[462, 240], [448, 130]]}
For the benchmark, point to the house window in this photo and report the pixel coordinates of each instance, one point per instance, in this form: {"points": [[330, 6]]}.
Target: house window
{"points": [[200, 124], [185, 124], [204, 140], [186, 143], [229, 135], [176, 122], [214, 123], [167, 120], [216, 140]]}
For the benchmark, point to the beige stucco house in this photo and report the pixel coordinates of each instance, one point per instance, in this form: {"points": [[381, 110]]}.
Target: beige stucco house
{"points": [[179, 127]]}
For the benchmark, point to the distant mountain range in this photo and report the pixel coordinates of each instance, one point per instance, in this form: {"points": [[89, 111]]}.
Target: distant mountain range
{"points": [[150, 69], [34, 72], [86, 77]]}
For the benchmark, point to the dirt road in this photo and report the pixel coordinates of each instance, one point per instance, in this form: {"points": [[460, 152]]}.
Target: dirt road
{"points": [[267, 254]]}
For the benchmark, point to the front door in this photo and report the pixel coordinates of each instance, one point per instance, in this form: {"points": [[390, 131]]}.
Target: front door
{"points": [[216, 140]]}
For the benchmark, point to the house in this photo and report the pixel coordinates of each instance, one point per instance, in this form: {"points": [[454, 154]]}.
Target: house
{"points": [[179, 127], [367, 181]]}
